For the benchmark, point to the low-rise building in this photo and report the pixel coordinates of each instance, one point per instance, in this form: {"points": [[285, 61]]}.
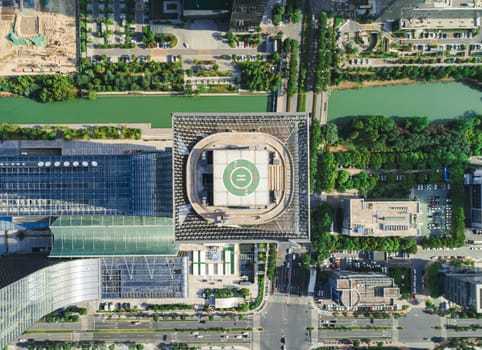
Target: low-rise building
{"points": [[379, 218], [431, 14], [363, 290]]}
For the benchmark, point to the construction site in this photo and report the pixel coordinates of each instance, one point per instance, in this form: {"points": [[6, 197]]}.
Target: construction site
{"points": [[37, 36]]}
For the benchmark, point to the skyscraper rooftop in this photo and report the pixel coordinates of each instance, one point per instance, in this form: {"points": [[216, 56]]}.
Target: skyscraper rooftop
{"points": [[241, 176]]}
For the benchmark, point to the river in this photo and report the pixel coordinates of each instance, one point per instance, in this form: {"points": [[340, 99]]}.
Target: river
{"points": [[434, 100], [123, 109]]}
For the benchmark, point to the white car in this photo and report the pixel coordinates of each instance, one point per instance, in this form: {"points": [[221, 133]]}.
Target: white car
{"points": [[186, 45]]}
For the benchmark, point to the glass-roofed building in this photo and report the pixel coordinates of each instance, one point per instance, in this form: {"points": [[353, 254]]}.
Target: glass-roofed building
{"points": [[122, 184], [109, 210]]}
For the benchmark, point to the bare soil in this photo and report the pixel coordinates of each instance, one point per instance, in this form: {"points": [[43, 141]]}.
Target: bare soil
{"points": [[56, 22]]}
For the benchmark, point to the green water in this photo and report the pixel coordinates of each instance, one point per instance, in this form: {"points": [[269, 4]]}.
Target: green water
{"points": [[123, 109], [434, 100]]}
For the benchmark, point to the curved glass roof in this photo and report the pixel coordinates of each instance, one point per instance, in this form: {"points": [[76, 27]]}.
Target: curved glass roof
{"points": [[95, 236]]}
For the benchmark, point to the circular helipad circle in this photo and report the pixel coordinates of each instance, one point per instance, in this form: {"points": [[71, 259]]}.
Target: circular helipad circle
{"points": [[241, 177]]}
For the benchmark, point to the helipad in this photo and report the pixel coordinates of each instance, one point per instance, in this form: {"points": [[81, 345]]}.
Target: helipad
{"points": [[241, 177]]}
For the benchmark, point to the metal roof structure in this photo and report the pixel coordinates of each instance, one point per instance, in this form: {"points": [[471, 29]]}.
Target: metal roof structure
{"points": [[291, 129]]}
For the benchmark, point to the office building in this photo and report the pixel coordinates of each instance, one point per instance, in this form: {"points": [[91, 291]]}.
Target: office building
{"points": [[360, 291], [473, 199], [431, 15], [241, 177], [464, 287], [363, 218]]}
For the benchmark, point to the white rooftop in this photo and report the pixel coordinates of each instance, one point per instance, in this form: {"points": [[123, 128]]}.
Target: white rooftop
{"points": [[241, 177]]}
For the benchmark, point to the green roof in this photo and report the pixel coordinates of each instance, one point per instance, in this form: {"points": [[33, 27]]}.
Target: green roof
{"points": [[94, 236]]}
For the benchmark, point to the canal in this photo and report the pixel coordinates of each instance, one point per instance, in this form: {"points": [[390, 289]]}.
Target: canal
{"points": [[434, 100], [123, 109]]}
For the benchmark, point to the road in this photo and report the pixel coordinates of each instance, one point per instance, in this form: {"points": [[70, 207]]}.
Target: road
{"points": [[419, 327], [155, 53], [94, 328], [288, 317]]}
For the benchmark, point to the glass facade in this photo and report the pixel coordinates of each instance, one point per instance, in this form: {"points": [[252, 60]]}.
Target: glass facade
{"points": [[130, 184], [25, 301], [94, 236], [28, 299]]}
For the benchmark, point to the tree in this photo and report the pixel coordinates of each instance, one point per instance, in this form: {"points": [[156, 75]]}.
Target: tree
{"points": [[330, 133], [277, 14], [148, 36], [57, 88], [297, 15], [306, 261], [417, 124]]}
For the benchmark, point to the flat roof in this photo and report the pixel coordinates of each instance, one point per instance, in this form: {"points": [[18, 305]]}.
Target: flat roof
{"points": [[381, 218], [241, 177]]}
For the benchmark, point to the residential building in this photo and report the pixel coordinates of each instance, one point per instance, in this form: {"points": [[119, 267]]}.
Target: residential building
{"points": [[363, 218]]}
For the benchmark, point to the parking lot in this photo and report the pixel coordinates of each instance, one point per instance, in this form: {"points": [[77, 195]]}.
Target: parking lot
{"points": [[436, 208]]}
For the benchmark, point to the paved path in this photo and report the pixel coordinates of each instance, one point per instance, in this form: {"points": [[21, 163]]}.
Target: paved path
{"points": [[293, 103]]}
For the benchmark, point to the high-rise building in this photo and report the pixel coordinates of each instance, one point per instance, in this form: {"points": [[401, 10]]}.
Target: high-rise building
{"points": [[464, 287], [108, 207], [241, 177], [242, 15], [117, 211], [473, 195]]}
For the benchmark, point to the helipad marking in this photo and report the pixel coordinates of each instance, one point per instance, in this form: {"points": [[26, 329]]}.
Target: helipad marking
{"points": [[241, 177]]}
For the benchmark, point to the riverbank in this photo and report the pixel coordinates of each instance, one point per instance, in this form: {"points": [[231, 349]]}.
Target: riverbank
{"points": [[8, 94], [349, 85]]}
